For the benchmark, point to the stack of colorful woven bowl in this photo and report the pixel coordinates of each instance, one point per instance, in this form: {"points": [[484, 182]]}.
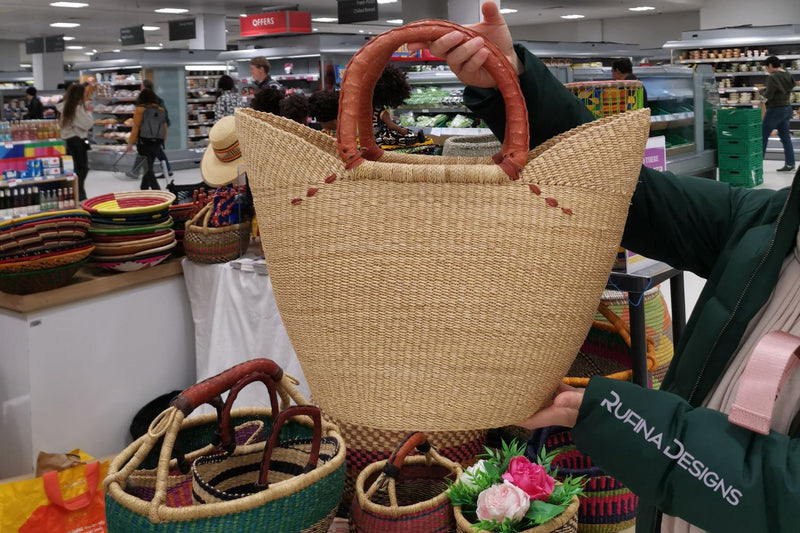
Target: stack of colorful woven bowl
{"points": [[131, 230], [181, 213], [42, 252]]}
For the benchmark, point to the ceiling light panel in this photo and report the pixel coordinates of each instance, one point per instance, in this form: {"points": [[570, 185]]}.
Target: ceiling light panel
{"points": [[172, 10], [64, 25], [641, 8], [151, 28], [507, 10], [576, 16], [68, 4]]}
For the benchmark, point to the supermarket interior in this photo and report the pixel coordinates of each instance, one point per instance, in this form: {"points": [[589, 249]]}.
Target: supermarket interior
{"points": [[131, 270]]}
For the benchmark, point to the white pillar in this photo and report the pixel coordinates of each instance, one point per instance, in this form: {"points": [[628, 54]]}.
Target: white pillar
{"points": [[48, 70], [209, 33]]}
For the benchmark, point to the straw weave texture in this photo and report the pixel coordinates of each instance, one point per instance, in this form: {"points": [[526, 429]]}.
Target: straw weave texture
{"points": [[436, 294]]}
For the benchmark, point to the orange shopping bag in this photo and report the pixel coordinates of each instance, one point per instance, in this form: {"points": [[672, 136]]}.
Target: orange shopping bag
{"points": [[70, 501]]}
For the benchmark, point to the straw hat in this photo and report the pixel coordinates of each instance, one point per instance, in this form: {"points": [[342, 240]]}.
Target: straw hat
{"points": [[223, 156]]}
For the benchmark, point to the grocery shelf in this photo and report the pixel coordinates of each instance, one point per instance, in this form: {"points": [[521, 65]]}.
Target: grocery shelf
{"points": [[738, 89], [461, 109], [736, 59]]}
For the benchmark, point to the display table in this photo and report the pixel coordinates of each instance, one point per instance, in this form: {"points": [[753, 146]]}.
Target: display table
{"points": [[236, 319], [78, 362]]}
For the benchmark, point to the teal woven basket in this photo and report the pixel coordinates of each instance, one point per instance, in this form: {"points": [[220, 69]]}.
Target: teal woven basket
{"points": [[304, 502]]}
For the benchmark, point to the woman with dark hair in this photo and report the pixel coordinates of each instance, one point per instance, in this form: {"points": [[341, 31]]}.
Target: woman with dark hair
{"points": [[76, 121], [149, 132], [391, 90], [295, 107], [323, 106], [228, 98], [268, 100]]}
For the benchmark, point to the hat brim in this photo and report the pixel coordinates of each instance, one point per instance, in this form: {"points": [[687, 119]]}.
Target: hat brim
{"points": [[215, 173]]}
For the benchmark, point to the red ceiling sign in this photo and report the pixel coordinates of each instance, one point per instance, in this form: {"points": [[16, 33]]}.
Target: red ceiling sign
{"points": [[275, 22]]}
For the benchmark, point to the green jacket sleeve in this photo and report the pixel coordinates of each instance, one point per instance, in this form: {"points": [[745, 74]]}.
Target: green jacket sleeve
{"points": [[691, 462], [685, 234]]}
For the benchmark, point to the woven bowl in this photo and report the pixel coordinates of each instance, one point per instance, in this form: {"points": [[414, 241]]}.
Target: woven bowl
{"points": [[46, 261], [131, 265], [129, 203], [134, 256], [134, 246], [39, 280], [39, 217], [96, 229], [107, 239]]}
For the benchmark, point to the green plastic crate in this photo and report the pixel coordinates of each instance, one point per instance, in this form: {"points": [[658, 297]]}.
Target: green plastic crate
{"points": [[742, 177], [740, 131], [739, 115], [739, 146], [740, 161]]}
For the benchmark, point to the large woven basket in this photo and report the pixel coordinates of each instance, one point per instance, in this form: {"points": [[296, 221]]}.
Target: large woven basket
{"points": [[436, 293], [305, 502], [204, 244]]}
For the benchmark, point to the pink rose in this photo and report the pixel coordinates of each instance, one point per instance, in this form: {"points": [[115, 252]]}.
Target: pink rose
{"points": [[530, 477], [499, 502]]}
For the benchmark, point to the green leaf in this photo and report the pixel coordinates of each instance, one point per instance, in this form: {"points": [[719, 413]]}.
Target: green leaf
{"points": [[540, 512]]}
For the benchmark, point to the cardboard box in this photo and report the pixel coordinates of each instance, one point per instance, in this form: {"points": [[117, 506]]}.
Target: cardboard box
{"points": [[67, 164], [49, 172], [50, 162]]}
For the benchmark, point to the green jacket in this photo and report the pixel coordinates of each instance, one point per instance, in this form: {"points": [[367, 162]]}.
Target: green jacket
{"points": [[778, 92], [678, 457]]}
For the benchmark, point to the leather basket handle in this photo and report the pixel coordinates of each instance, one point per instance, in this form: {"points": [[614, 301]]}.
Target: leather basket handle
{"points": [[202, 392], [366, 66], [774, 358], [274, 439], [228, 441]]}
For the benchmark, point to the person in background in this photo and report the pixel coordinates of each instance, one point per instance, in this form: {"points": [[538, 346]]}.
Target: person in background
{"points": [[391, 90], [76, 120], [295, 107], [324, 108], [268, 100], [35, 108], [147, 146], [133, 173], [622, 69], [228, 98], [694, 469], [259, 71], [778, 95]]}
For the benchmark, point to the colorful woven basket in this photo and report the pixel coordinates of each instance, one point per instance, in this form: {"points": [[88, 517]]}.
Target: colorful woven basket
{"points": [[129, 203], [97, 229], [606, 506], [607, 98], [405, 493], [204, 244], [603, 343], [439, 270], [302, 503], [72, 254]]}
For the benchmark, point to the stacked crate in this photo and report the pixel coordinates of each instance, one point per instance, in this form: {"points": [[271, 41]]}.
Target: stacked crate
{"points": [[739, 147]]}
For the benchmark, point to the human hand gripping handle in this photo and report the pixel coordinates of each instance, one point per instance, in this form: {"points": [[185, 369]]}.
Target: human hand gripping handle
{"points": [[466, 56], [364, 69]]}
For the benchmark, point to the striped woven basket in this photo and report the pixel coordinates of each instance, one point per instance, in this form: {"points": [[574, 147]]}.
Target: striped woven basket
{"points": [[305, 502], [204, 244], [606, 506], [402, 279], [566, 522], [405, 493]]}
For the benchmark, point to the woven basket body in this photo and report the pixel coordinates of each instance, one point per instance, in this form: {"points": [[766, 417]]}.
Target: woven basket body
{"points": [[471, 146], [566, 522], [139, 499], [658, 326], [411, 497], [438, 294], [607, 505], [204, 244]]}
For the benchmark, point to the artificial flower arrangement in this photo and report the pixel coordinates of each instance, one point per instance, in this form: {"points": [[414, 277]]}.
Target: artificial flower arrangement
{"points": [[504, 492]]}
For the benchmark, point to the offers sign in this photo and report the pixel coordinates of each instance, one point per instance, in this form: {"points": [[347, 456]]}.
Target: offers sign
{"points": [[275, 22]]}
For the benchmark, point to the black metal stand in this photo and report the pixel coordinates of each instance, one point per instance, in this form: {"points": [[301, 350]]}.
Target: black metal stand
{"points": [[635, 284]]}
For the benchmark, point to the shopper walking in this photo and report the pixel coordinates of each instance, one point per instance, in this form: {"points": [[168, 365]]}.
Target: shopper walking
{"points": [[133, 173], [228, 98], [148, 133], [622, 69], [76, 120], [35, 108], [778, 95], [693, 467]]}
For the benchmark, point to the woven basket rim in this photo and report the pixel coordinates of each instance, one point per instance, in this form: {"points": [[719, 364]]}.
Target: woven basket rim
{"points": [[113, 486], [547, 527], [163, 200], [109, 229]]}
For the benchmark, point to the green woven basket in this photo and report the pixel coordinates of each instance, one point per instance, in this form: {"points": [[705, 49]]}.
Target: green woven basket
{"points": [[306, 502]]}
